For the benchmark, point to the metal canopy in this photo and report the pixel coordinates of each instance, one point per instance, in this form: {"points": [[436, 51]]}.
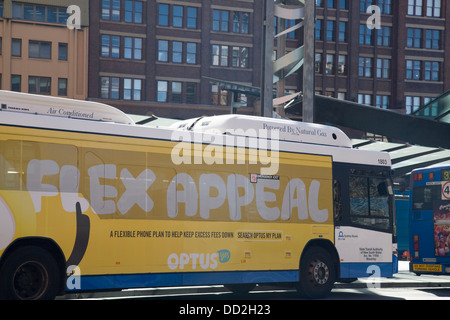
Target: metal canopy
{"points": [[405, 157], [437, 109], [412, 129]]}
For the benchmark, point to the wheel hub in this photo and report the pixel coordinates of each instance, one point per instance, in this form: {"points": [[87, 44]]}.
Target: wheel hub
{"points": [[30, 280], [320, 272]]}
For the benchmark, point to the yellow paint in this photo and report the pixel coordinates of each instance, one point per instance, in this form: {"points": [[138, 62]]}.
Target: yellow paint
{"points": [[129, 235]]}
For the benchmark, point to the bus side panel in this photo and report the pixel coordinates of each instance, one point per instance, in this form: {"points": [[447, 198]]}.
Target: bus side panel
{"points": [[364, 252], [122, 212]]}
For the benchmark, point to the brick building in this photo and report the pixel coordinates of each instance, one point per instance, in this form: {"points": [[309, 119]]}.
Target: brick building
{"points": [[401, 66], [153, 56], [38, 53]]}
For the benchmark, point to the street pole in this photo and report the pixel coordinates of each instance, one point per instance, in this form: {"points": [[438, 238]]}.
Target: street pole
{"points": [[267, 60], [308, 65]]}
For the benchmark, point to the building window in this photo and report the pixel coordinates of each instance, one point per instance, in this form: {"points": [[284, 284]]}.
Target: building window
{"points": [[240, 57], [343, 31], [434, 8], [163, 50], [365, 35], [384, 36], [40, 13], [385, 6], [329, 65], [364, 4], [177, 20], [133, 11], [318, 63], [432, 71], [16, 82], [109, 87], [220, 20], [318, 29], [415, 7], [191, 92], [413, 69], [191, 53], [40, 85], [219, 55], [163, 15], [382, 101], [414, 38], [433, 39], [218, 96], [191, 18], [62, 86], [330, 31], [383, 68], [62, 51], [132, 48], [110, 46], [365, 99], [39, 49], [111, 10], [16, 47], [365, 67], [162, 91], [176, 92], [177, 51], [132, 89], [240, 22], [342, 64], [412, 104]]}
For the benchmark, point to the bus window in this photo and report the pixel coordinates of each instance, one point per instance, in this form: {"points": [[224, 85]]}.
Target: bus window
{"points": [[423, 196], [337, 201], [369, 202]]}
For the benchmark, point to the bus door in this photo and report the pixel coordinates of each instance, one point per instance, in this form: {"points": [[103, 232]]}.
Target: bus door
{"points": [[363, 214]]}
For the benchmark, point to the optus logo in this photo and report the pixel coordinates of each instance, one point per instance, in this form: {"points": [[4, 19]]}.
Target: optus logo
{"points": [[198, 260]]}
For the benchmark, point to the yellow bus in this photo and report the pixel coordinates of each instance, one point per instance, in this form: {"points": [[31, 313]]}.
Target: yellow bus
{"points": [[90, 201]]}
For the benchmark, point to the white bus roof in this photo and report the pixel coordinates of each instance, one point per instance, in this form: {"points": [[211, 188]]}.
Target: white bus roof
{"points": [[61, 107], [250, 126]]}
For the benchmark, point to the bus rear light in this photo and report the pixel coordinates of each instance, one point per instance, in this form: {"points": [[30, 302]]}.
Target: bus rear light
{"points": [[418, 176], [416, 246], [431, 176]]}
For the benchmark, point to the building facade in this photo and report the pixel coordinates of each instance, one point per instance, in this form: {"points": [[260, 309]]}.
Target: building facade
{"points": [[400, 66], [39, 53], [158, 57]]}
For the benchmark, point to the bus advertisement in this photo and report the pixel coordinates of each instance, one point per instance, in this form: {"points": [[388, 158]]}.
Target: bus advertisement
{"points": [[91, 201], [430, 220]]}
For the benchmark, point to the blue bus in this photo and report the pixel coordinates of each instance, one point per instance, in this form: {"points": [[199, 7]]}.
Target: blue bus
{"points": [[430, 220]]}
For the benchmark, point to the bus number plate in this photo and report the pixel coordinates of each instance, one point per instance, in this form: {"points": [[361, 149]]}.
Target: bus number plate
{"points": [[427, 267]]}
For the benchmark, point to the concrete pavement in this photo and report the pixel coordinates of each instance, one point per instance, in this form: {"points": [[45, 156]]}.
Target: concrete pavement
{"points": [[403, 279]]}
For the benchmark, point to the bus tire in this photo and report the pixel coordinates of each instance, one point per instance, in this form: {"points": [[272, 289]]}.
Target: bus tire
{"points": [[29, 273], [317, 274]]}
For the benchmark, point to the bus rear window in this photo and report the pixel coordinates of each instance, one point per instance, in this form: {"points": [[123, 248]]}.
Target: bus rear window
{"points": [[424, 196]]}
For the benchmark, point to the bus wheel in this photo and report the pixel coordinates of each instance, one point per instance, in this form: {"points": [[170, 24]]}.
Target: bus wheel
{"points": [[29, 273], [317, 273]]}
